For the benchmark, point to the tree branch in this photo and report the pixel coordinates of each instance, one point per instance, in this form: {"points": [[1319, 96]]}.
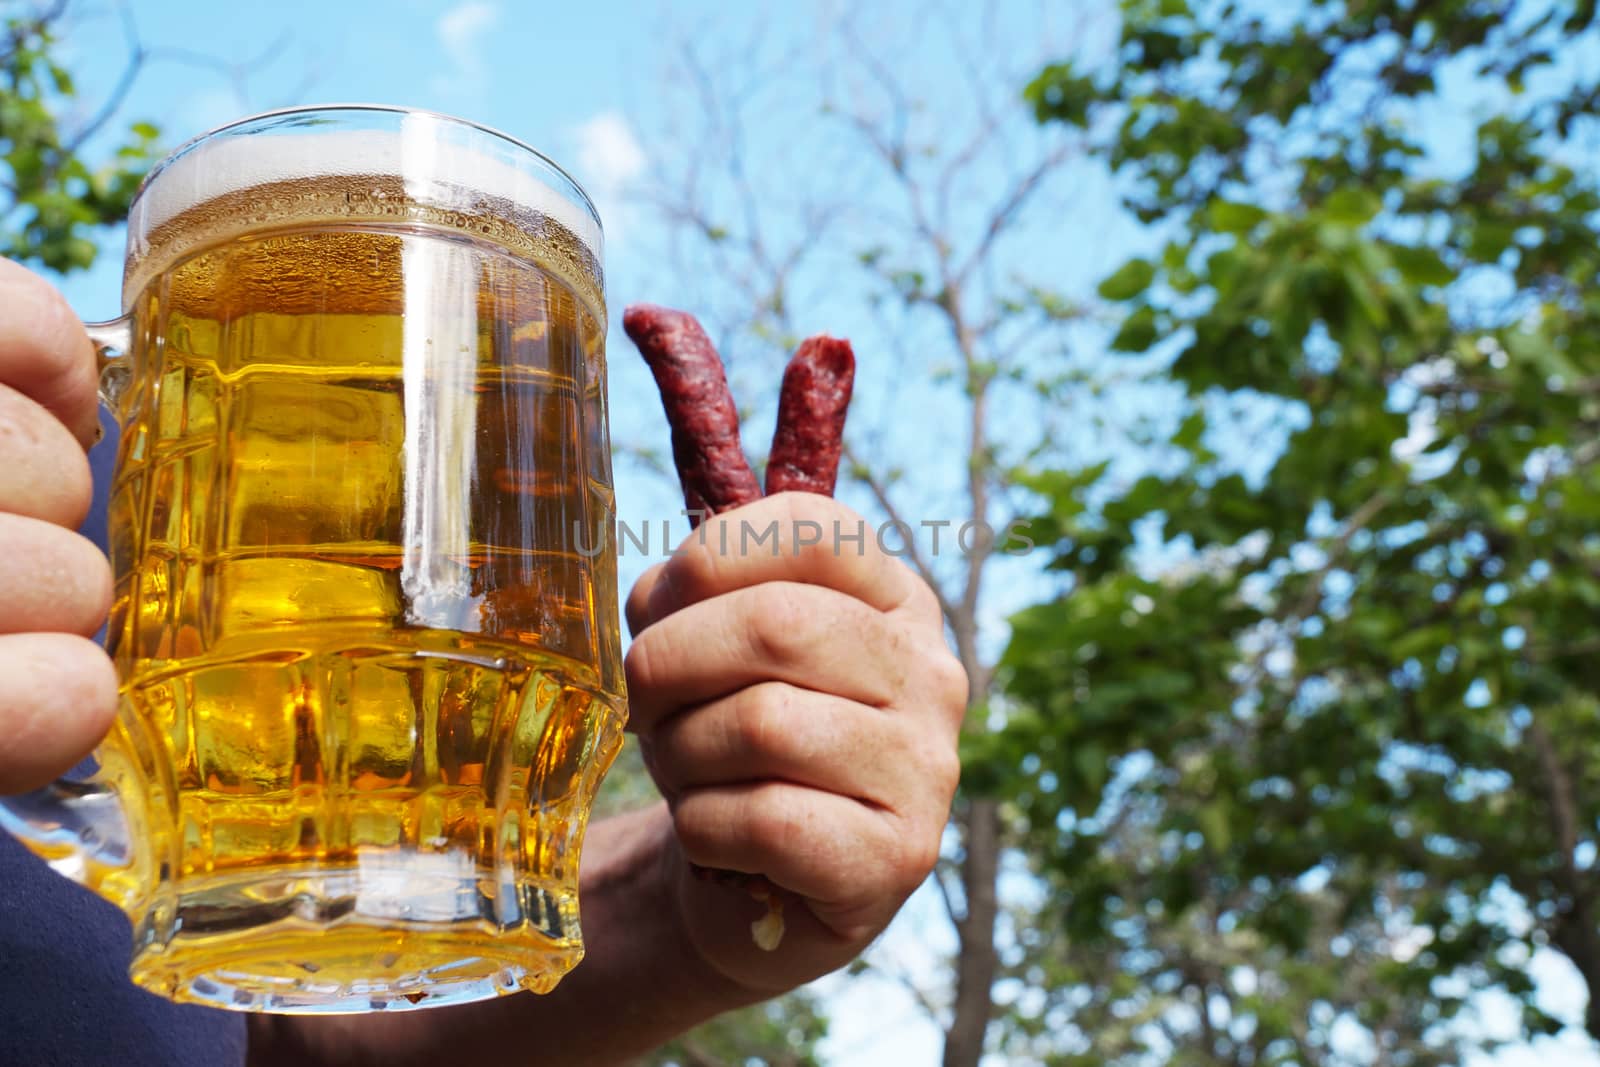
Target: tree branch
{"points": [[1560, 794], [1575, 930], [119, 93], [906, 982], [957, 915], [1335, 550], [1006, 213]]}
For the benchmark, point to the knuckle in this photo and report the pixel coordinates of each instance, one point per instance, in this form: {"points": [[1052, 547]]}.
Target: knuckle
{"points": [[759, 717], [780, 627], [637, 608], [692, 572], [920, 856], [809, 507], [808, 521], [903, 862], [639, 664], [923, 602], [659, 756], [949, 679], [941, 769], [699, 837], [914, 853]]}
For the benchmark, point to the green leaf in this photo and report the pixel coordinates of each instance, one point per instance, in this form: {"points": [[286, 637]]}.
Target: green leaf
{"points": [[1060, 94], [1213, 819], [1090, 764], [1351, 206], [1129, 280], [1420, 265], [1139, 331], [1229, 216]]}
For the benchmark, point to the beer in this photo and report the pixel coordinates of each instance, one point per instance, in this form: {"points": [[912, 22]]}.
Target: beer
{"points": [[370, 658]]}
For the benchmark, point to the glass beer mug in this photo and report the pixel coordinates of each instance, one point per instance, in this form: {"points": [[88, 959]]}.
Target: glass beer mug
{"points": [[370, 672]]}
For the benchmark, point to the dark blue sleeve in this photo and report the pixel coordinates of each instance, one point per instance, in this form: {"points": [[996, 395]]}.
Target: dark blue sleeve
{"points": [[65, 998]]}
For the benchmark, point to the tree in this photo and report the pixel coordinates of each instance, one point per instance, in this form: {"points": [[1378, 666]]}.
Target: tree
{"points": [[1325, 683], [895, 191], [53, 195]]}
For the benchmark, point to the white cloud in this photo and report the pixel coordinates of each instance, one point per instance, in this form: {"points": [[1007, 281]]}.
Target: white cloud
{"points": [[608, 152], [608, 157], [461, 31]]}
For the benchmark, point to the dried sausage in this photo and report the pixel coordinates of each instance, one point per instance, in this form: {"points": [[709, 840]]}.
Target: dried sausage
{"points": [[694, 390], [811, 410]]}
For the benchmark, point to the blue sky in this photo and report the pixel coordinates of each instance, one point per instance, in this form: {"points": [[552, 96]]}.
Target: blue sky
{"points": [[581, 81], [559, 76]]}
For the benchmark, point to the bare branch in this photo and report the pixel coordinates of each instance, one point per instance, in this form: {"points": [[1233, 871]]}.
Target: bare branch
{"points": [[141, 55], [1006, 212], [905, 981], [894, 146], [959, 160], [237, 73], [137, 55]]}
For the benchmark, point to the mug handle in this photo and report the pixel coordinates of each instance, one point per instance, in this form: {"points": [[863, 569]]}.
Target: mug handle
{"points": [[82, 828]]}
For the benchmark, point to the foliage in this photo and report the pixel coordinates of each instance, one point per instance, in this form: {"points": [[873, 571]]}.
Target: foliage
{"points": [[52, 195], [1309, 751]]}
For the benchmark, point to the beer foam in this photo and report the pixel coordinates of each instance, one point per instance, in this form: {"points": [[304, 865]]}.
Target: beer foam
{"points": [[222, 186]]}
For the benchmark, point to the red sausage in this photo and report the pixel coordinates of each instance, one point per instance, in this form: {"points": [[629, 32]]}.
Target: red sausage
{"points": [[694, 390], [811, 410]]}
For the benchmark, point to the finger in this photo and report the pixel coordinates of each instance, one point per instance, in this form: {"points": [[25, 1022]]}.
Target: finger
{"points": [[774, 730], [637, 609], [55, 580], [853, 864], [57, 697], [44, 473], [799, 537], [780, 631], [44, 351]]}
